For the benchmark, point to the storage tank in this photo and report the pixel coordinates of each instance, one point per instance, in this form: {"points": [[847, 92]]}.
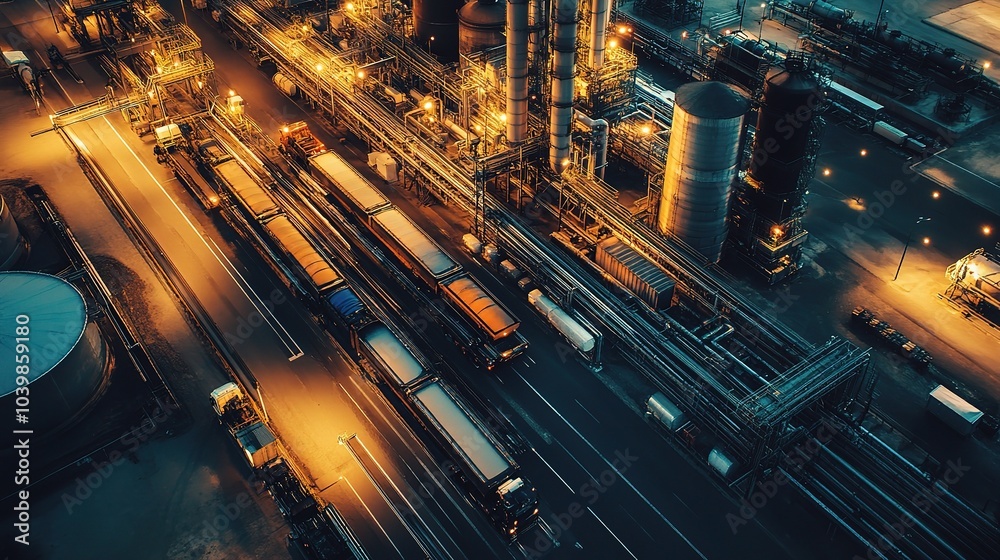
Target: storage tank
{"points": [[666, 412], [701, 164], [781, 141], [481, 25], [12, 245], [68, 356], [562, 321], [437, 19]]}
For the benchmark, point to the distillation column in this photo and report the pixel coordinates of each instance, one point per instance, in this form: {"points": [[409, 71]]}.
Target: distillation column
{"points": [[563, 70], [517, 71], [599, 15]]}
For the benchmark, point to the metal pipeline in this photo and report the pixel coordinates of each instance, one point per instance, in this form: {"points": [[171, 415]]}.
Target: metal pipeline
{"points": [[599, 143], [517, 71], [563, 70], [538, 24], [598, 32]]}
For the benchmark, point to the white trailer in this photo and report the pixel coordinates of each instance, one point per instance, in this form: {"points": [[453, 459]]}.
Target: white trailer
{"points": [[953, 410]]}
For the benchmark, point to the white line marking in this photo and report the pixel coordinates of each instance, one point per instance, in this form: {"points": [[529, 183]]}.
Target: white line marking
{"points": [[612, 533], [570, 488], [620, 475], [375, 519], [587, 411], [297, 351]]}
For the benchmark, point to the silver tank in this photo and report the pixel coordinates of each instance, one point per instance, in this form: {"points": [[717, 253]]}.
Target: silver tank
{"points": [[702, 160], [11, 243], [481, 25]]}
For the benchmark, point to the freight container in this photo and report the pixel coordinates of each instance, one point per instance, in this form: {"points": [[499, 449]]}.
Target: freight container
{"points": [[643, 278], [889, 132], [953, 410]]}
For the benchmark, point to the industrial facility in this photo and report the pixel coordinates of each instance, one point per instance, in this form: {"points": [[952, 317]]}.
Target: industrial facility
{"points": [[617, 209]]}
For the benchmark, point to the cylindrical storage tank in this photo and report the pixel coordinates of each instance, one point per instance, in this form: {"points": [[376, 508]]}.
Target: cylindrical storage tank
{"points": [[480, 25], [701, 164], [784, 127], [284, 85], [435, 23], [666, 412], [563, 322], [722, 464], [12, 246], [68, 355]]}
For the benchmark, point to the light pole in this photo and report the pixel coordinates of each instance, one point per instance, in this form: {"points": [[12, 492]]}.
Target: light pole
{"points": [[763, 12], [920, 220]]}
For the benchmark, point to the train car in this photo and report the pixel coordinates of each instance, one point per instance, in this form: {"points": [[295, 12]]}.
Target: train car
{"points": [[314, 271], [489, 474], [414, 248], [245, 189], [392, 360], [349, 186], [489, 315], [344, 306]]}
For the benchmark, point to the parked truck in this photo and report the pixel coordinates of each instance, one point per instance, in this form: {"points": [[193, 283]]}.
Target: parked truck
{"points": [[236, 412]]}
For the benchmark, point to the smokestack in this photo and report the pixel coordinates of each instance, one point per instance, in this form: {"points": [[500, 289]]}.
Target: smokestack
{"points": [[563, 69], [517, 70], [598, 32]]}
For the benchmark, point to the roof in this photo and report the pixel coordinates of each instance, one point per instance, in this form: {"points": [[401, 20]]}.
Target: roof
{"points": [[394, 355], [417, 243], [321, 273], [711, 100], [639, 265], [486, 310], [347, 179], [957, 404], [458, 427], [246, 188], [54, 313]]}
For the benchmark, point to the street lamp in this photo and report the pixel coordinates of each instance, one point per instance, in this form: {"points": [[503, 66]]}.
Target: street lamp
{"points": [[926, 240], [763, 12], [429, 41]]}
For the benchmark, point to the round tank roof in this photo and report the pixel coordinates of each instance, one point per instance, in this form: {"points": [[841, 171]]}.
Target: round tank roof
{"points": [[794, 76], [57, 317], [484, 13], [711, 100]]}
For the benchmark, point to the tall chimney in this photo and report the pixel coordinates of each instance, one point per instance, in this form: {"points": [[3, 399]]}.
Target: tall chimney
{"points": [[517, 70], [563, 69]]}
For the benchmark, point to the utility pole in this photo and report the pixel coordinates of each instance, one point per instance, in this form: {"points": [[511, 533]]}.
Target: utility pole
{"points": [[53, 14]]}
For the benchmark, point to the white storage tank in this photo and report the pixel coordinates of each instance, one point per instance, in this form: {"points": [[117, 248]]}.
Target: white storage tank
{"points": [[563, 322], [284, 84], [702, 160], [472, 243], [721, 462], [12, 243], [666, 412]]}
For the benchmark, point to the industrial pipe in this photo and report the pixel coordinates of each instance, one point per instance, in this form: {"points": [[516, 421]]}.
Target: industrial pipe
{"points": [[538, 24], [599, 143], [517, 71], [598, 32]]}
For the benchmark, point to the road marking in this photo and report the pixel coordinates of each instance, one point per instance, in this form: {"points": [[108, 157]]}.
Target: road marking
{"points": [[529, 358], [375, 519], [612, 533], [423, 464], [405, 499], [295, 352], [568, 487], [579, 464], [587, 411], [620, 475]]}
